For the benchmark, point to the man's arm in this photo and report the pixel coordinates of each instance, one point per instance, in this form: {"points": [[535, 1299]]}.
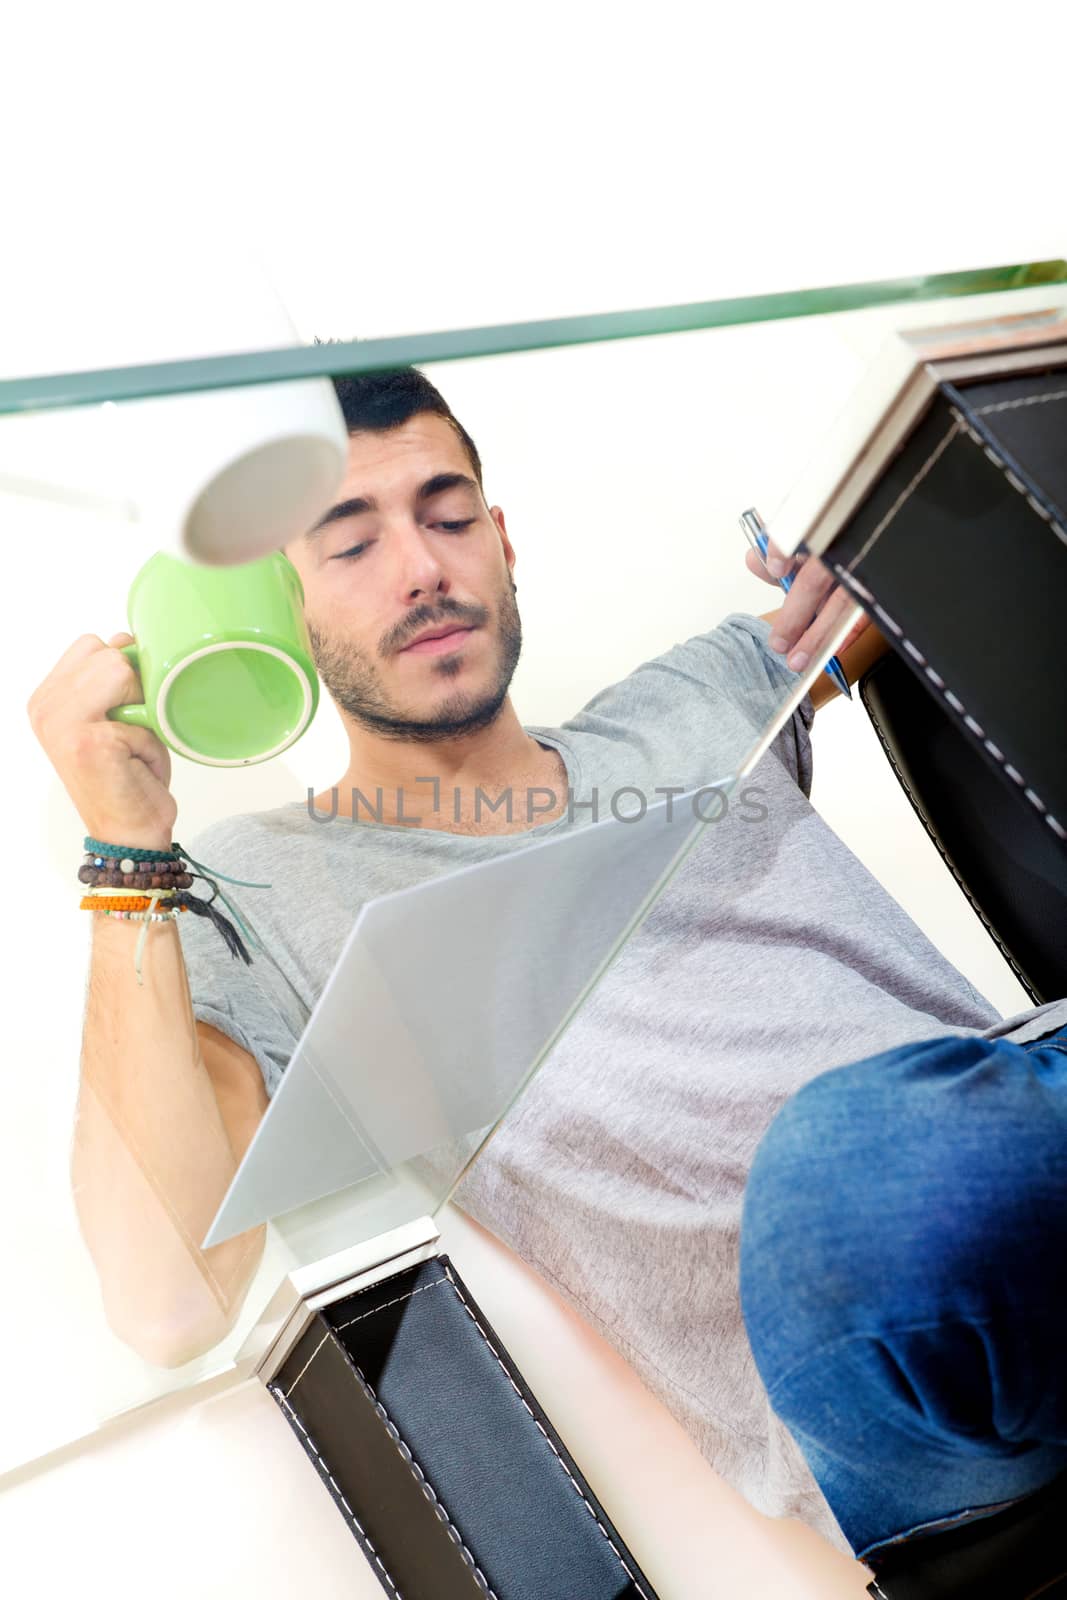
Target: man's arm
{"points": [[859, 655], [167, 1106]]}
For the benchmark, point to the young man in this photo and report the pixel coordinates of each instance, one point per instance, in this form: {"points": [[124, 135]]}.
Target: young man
{"points": [[772, 957]]}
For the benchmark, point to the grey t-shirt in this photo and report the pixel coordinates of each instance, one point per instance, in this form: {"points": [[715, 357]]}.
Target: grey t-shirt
{"points": [[772, 956]]}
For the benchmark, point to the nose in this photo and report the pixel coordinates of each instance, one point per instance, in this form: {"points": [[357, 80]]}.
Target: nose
{"points": [[420, 573]]}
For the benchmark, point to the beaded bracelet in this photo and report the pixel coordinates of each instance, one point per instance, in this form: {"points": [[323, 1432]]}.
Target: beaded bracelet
{"points": [[122, 902], [152, 861], [135, 880], [103, 882], [144, 916]]}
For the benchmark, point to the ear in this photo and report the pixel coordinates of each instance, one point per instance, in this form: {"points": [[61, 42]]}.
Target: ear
{"points": [[509, 554]]}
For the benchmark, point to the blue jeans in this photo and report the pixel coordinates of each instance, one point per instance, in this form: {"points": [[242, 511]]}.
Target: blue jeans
{"points": [[904, 1280]]}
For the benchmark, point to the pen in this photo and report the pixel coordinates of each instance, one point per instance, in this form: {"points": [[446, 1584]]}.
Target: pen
{"points": [[756, 533]]}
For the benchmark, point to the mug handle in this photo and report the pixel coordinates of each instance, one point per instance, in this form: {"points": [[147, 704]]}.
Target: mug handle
{"points": [[135, 715]]}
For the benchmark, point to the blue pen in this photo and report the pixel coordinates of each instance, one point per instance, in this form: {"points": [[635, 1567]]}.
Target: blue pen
{"points": [[756, 534]]}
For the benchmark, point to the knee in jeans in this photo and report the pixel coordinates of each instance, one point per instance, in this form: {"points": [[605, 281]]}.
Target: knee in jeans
{"points": [[793, 1271], [898, 1187]]}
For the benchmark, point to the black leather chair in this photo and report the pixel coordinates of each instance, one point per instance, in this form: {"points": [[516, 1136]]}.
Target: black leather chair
{"points": [[1013, 870], [1006, 860], [959, 555]]}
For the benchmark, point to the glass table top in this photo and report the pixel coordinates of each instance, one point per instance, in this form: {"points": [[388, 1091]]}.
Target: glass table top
{"points": [[250, 366], [593, 537]]}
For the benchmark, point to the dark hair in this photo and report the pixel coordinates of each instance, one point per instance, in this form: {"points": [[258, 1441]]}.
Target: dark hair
{"points": [[378, 401]]}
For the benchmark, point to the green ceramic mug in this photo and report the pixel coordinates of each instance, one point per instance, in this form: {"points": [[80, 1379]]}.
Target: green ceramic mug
{"points": [[224, 658]]}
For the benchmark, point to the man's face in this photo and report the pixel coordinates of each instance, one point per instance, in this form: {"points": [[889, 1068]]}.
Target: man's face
{"points": [[415, 550]]}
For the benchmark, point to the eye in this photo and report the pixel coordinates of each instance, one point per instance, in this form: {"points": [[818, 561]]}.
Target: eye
{"points": [[449, 527]]}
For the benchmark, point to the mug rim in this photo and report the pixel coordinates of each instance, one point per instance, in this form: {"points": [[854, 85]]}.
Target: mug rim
{"points": [[179, 745]]}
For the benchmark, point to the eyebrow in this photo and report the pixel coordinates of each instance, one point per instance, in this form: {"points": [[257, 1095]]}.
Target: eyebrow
{"points": [[362, 503]]}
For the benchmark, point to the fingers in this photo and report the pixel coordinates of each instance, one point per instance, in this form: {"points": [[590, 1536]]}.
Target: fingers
{"points": [[859, 626], [817, 637], [87, 680], [811, 585], [86, 645], [813, 611], [778, 563], [757, 569], [776, 566]]}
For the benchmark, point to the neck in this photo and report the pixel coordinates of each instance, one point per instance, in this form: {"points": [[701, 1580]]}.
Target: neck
{"points": [[450, 784]]}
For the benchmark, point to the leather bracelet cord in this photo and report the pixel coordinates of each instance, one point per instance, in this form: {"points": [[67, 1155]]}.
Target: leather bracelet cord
{"points": [[169, 866]]}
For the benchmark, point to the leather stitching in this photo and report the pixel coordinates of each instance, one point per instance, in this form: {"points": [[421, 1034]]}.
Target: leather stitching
{"points": [[952, 699], [360, 1530], [307, 1363], [382, 1307], [544, 1435], [410, 1295], [1017, 484], [906, 494], [403, 1449], [946, 858], [1028, 400], [407, 1455], [851, 582]]}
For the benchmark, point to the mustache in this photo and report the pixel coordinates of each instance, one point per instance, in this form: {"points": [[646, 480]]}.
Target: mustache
{"points": [[456, 615]]}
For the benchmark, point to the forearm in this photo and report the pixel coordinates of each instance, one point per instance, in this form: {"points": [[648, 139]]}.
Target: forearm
{"points": [[855, 660], [151, 1157], [864, 652]]}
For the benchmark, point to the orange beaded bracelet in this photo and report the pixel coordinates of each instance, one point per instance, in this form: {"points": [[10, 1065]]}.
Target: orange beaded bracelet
{"points": [[118, 902]]}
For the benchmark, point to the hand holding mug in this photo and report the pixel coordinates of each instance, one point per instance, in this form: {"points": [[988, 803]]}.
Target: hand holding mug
{"points": [[117, 776]]}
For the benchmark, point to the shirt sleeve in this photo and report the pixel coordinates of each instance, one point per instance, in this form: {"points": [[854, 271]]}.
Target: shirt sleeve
{"points": [[715, 693], [792, 744]]}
